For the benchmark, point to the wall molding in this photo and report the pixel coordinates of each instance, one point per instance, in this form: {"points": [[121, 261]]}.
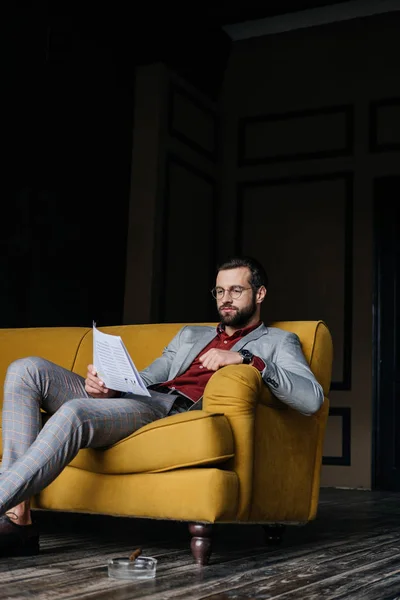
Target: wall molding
{"points": [[312, 17], [346, 110], [345, 459], [348, 177], [162, 254], [174, 90], [374, 107]]}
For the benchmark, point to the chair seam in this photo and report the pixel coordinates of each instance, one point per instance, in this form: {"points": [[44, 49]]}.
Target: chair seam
{"points": [[79, 347], [220, 458], [138, 432]]}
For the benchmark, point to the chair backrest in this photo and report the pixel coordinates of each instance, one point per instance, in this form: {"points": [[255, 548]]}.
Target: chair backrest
{"points": [[58, 344], [72, 347], [316, 343]]}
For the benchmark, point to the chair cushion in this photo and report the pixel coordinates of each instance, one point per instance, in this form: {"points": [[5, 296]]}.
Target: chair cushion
{"points": [[194, 438]]}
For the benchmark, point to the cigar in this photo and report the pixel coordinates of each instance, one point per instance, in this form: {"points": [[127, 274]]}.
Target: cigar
{"points": [[135, 554]]}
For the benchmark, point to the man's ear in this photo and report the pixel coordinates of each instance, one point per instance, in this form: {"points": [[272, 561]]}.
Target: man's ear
{"points": [[261, 293]]}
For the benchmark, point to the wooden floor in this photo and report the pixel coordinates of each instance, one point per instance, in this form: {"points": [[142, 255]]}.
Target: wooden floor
{"points": [[351, 551]]}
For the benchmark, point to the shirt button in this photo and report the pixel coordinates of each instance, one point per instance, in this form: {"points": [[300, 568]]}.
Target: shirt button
{"points": [[225, 342], [201, 367]]}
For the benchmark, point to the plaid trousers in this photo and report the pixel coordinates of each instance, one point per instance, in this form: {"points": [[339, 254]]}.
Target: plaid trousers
{"points": [[33, 456]]}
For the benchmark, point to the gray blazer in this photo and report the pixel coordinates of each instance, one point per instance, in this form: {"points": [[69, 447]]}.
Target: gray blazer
{"points": [[287, 372]]}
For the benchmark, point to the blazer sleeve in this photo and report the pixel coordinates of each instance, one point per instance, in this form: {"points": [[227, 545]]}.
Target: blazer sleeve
{"points": [[158, 371], [290, 378]]}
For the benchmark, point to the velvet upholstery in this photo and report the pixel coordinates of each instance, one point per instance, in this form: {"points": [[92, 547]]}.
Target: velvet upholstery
{"points": [[246, 457]]}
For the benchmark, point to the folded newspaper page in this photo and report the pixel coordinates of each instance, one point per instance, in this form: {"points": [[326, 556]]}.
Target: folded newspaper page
{"points": [[114, 365]]}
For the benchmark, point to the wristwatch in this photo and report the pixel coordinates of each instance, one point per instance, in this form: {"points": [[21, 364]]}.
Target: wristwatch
{"points": [[246, 356]]}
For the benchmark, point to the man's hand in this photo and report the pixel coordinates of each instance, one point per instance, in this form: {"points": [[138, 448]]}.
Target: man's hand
{"points": [[95, 387], [214, 359]]}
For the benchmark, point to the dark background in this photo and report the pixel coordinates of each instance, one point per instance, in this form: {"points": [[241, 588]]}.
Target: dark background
{"points": [[68, 117]]}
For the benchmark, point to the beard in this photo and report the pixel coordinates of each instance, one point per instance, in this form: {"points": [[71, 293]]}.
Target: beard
{"points": [[240, 317]]}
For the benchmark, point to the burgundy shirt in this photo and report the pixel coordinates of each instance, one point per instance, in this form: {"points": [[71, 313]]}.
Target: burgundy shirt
{"points": [[193, 381]]}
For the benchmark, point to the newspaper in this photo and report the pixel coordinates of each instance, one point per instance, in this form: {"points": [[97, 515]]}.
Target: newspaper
{"points": [[114, 365]]}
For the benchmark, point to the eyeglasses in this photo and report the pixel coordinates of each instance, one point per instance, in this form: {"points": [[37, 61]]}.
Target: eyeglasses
{"points": [[235, 292]]}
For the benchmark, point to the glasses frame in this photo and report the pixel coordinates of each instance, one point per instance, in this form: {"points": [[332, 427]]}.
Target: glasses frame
{"points": [[229, 291]]}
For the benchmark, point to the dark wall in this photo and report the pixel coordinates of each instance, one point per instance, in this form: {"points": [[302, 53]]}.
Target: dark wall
{"points": [[65, 194], [70, 105]]}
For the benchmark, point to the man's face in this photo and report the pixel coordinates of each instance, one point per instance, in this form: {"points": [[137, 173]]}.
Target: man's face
{"points": [[235, 312]]}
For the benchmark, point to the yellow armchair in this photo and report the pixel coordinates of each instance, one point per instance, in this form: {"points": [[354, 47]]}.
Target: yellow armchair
{"points": [[245, 458]]}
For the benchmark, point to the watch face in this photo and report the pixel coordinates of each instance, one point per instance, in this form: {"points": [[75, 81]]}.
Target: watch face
{"points": [[247, 356]]}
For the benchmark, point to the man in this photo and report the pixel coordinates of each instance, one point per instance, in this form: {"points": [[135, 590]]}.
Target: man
{"points": [[85, 414]]}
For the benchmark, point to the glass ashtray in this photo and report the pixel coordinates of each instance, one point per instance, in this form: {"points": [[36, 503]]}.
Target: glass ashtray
{"points": [[143, 567]]}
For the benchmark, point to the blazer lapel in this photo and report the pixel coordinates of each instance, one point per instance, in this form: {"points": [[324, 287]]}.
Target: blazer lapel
{"points": [[197, 347], [253, 335]]}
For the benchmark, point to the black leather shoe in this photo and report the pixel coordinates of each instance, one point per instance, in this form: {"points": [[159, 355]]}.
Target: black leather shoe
{"points": [[17, 540]]}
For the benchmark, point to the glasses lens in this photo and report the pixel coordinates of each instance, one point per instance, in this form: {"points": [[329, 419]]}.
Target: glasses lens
{"points": [[234, 292]]}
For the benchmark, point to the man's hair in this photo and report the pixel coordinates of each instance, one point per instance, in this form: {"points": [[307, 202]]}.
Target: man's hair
{"points": [[258, 276]]}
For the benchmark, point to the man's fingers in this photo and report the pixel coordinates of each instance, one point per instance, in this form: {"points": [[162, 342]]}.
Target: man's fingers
{"points": [[92, 391], [94, 384], [94, 380], [212, 365], [92, 376], [92, 373], [95, 392], [206, 358]]}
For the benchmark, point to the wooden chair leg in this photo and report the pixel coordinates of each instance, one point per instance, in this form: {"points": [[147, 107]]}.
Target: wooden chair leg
{"points": [[201, 542], [273, 534]]}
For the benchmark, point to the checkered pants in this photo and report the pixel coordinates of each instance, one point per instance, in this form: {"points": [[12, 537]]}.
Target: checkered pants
{"points": [[33, 456]]}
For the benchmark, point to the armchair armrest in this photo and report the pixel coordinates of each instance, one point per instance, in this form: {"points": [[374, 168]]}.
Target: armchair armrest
{"points": [[278, 451], [235, 391], [287, 462]]}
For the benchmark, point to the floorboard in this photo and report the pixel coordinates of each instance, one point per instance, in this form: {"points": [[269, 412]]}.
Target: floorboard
{"points": [[351, 551]]}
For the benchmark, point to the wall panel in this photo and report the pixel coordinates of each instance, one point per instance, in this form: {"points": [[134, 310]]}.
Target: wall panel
{"points": [[301, 230], [188, 256]]}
